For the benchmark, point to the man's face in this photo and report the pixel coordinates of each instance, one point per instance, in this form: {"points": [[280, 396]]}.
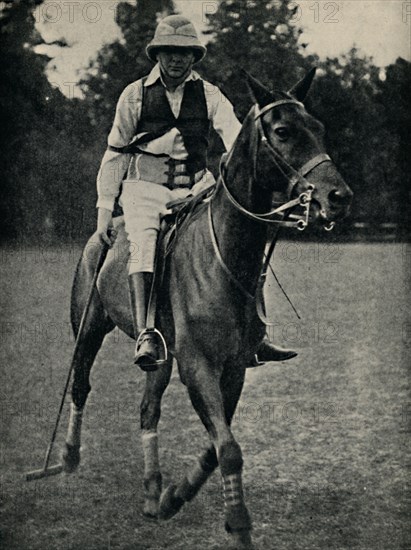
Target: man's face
{"points": [[176, 62]]}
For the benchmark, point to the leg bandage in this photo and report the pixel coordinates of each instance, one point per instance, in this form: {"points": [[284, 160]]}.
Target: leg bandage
{"points": [[150, 450], [233, 490], [74, 427]]}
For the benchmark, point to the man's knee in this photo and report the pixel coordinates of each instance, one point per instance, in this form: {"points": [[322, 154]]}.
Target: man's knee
{"points": [[142, 249]]}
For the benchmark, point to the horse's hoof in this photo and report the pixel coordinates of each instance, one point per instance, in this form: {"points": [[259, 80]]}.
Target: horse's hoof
{"points": [[241, 540], [149, 515], [71, 458], [150, 508], [152, 491], [170, 504]]}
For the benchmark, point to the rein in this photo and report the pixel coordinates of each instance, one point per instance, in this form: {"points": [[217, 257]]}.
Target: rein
{"points": [[300, 222]]}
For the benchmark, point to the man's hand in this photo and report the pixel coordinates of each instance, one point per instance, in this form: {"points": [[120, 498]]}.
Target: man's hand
{"points": [[105, 232]]}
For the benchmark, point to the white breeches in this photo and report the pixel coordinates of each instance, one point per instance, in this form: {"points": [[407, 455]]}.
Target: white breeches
{"points": [[144, 203]]}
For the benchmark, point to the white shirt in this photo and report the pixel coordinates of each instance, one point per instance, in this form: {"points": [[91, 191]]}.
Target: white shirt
{"points": [[114, 165]]}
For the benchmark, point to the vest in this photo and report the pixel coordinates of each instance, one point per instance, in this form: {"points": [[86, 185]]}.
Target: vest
{"points": [[157, 119]]}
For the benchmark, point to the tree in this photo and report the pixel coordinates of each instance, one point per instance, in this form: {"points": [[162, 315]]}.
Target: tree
{"points": [[343, 98], [52, 145], [394, 99], [260, 38], [366, 130], [27, 105], [367, 119]]}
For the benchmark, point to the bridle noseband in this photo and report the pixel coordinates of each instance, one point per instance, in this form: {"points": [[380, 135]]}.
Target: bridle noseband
{"points": [[304, 199]]}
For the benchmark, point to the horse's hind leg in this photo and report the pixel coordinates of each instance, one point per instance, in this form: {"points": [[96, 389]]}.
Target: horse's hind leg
{"points": [[83, 362], [96, 326], [150, 410]]}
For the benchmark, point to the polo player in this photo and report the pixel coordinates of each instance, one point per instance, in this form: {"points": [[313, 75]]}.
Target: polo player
{"points": [[157, 153]]}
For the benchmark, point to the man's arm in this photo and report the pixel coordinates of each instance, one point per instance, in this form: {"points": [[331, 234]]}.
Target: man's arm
{"points": [[114, 164], [222, 115]]}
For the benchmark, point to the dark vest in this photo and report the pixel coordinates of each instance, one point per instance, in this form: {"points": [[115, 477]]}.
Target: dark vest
{"points": [[157, 119]]}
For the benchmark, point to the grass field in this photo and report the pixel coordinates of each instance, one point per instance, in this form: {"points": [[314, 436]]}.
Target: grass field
{"points": [[325, 437]]}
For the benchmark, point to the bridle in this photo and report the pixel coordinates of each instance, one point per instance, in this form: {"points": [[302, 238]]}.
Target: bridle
{"points": [[304, 199], [296, 221]]}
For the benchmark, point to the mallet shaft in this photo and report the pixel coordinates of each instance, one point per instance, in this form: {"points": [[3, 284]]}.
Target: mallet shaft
{"points": [[46, 471]]}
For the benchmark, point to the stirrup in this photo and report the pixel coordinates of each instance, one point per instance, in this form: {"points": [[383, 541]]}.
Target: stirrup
{"points": [[162, 351], [255, 362]]}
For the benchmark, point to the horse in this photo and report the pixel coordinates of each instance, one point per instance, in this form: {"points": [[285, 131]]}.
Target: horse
{"points": [[211, 280]]}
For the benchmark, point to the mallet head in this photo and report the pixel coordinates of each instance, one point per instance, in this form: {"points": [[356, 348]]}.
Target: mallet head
{"points": [[47, 472]]}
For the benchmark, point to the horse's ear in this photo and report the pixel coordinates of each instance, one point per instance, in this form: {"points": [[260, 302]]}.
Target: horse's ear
{"points": [[300, 90], [259, 93]]}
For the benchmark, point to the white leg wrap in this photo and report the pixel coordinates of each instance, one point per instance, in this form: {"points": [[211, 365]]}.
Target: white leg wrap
{"points": [[74, 427], [233, 490], [150, 450]]}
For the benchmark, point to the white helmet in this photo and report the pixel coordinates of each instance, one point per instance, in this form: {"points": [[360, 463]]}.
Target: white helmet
{"points": [[176, 31]]}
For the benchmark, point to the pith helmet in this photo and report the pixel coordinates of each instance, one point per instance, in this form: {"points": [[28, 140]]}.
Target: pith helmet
{"points": [[176, 31]]}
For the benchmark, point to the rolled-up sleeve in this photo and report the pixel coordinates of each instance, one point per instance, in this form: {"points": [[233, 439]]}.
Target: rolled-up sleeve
{"points": [[221, 113], [114, 164]]}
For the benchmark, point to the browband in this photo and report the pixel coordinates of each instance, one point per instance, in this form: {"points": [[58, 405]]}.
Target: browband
{"points": [[270, 106]]}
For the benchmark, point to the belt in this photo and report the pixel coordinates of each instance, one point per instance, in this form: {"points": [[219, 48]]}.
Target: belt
{"points": [[166, 171]]}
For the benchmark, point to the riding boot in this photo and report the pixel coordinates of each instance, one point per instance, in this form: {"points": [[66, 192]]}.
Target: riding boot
{"points": [[146, 352], [268, 352]]}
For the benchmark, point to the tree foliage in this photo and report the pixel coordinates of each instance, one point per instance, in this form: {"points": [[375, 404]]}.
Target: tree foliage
{"points": [[366, 132], [367, 118], [259, 37], [52, 145], [24, 110]]}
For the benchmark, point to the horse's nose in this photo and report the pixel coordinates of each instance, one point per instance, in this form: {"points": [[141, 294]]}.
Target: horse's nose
{"points": [[339, 198]]}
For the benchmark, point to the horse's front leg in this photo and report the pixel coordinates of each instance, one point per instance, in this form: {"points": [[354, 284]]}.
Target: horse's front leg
{"points": [[150, 410], [215, 402], [190, 485]]}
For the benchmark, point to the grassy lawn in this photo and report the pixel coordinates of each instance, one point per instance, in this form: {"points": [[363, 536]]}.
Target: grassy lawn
{"points": [[325, 437]]}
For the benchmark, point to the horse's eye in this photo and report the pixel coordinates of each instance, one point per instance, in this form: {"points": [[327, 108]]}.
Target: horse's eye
{"points": [[282, 133]]}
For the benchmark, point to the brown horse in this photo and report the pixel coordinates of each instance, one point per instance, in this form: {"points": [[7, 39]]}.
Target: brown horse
{"points": [[207, 309]]}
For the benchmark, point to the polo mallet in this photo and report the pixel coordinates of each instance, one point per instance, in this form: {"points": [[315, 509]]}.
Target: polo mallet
{"points": [[47, 470]]}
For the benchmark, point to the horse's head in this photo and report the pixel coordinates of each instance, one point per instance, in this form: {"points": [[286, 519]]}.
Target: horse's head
{"points": [[291, 156]]}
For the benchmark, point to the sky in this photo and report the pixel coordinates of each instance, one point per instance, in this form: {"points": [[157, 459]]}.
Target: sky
{"points": [[379, 28]]}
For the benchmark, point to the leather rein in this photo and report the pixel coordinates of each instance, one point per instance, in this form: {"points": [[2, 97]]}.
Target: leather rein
{"points": [[298, 222]]}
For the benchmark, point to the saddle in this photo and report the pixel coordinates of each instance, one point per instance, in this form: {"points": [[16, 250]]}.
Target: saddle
{"points": [[172, 225]]}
